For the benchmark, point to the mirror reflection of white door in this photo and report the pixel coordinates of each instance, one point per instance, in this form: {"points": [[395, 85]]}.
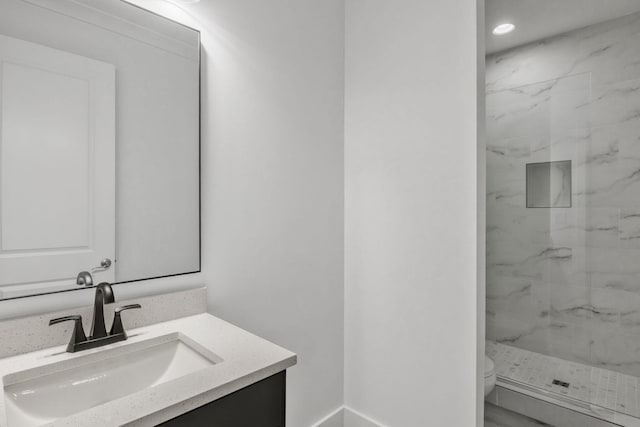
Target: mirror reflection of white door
{"points": [[57, 166]]}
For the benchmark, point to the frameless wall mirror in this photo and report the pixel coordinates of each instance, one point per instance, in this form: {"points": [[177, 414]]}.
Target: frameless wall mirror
{"points": [[99, 145]]}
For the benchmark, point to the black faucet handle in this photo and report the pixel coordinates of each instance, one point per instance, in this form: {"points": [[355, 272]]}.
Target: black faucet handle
{"points": [[127, 307], [116, 327], [78, 335]]}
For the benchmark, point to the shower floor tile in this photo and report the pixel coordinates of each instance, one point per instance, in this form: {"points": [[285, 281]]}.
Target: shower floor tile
{"points": [[601, 387]]}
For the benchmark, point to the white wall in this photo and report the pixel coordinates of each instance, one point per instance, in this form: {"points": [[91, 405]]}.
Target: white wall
{"points": [[273, 181], [411, 232], [274, 184]]}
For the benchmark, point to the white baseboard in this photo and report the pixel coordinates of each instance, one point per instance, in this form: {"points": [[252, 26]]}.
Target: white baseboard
{"points": [[334, 419], [347, 417], [353, 418]]}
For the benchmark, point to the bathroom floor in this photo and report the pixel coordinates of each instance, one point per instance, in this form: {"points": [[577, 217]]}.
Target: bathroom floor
{"points": [[499, 417], [607, 389]]}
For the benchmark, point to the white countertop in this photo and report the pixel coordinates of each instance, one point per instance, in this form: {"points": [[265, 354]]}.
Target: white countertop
{"points": [[246, 359]]}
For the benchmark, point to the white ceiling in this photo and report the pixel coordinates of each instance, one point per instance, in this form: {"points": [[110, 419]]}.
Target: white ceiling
{"points": [[538, 19]]}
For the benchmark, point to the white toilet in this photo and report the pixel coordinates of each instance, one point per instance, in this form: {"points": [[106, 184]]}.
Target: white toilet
{"points": [[489, 375]]}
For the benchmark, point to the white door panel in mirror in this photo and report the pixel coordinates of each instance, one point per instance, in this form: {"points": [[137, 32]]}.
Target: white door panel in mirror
{"points": [[57, 165], [157, 141]]}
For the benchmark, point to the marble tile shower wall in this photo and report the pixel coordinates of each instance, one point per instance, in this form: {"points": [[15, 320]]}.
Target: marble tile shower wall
{"points": [[566, 281]]}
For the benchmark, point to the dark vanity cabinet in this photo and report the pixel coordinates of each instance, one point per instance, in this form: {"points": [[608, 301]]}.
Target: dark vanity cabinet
{"points": [[259, 405]]}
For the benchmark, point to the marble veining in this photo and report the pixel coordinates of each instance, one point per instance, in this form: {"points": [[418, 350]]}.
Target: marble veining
{"points": [[609, 50], [565, 282]]}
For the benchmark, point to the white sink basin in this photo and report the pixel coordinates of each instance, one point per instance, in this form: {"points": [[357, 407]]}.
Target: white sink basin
{"points": [[57, 390]]}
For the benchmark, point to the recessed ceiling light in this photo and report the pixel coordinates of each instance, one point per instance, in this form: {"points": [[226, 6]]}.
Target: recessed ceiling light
{"points": [[503, 29]]}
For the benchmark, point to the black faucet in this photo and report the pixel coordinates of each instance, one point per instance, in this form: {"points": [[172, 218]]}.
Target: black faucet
{"points": [[99, 335], [104, 295]]}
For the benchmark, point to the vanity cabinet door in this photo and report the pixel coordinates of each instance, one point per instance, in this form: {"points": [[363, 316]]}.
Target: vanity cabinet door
{"points": [[259, 405]]}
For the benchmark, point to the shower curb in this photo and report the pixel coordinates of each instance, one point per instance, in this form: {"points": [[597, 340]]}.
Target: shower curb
{"points": [[555, 410]]}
